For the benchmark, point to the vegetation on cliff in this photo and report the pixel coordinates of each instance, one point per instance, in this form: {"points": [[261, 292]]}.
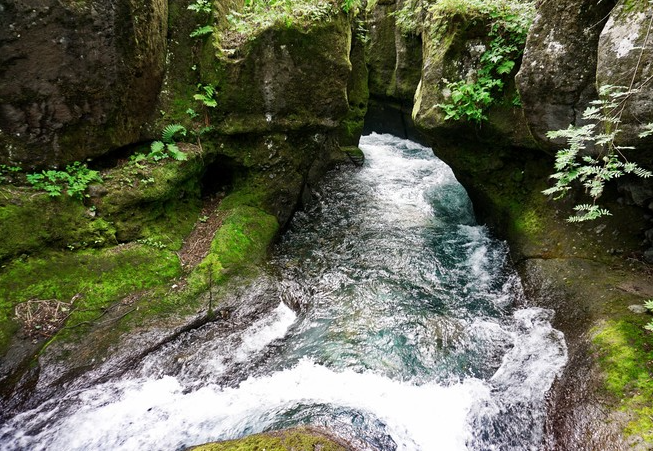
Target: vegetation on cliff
{"points": [[266, 95]]}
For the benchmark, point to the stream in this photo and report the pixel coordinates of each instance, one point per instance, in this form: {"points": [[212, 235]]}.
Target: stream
{"points": [[387, 315]]}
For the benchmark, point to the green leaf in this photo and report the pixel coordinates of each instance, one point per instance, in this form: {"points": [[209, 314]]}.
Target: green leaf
{"points": [[176, 153], [202, 31], [157, 147], [167, 136]]}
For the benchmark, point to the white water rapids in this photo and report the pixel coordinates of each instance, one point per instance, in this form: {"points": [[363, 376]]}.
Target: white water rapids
{"points": [[408, 336]]}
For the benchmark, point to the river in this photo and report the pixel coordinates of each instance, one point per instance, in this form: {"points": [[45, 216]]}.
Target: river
{"points": [[392, 318]]}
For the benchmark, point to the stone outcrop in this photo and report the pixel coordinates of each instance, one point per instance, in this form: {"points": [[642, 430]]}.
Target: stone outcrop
{"points": [[286, 79], [452, 50], [556, 80], [78, 79], [625, 58], [394, 60]]}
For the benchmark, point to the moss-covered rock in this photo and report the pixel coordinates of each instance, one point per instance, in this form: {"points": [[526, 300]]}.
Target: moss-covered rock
{"points": [[152, 200], [456, 39], [241, 242], [286, 77], [351, 126], [394, 58], [298, 439], [625, 354], [89, 281], [79, 78], [31, 221]]}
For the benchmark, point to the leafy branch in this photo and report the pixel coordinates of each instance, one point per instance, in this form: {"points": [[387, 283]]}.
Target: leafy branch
{"points": [[592, 157]]}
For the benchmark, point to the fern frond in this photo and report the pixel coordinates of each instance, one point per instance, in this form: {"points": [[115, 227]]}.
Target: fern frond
{"points": [[648, 130], [202, 31], [176, 153], [591, 212], [157, 147], [170, 131]]}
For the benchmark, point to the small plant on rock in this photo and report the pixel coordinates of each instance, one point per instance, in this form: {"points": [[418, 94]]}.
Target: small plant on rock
{"points": [[167, 147], [9, 173], [649, 306], [206, 95], [470, 98], [201, 7], [74, 180]]}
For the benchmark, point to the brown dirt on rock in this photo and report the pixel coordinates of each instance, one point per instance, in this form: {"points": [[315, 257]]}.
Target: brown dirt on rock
{"points": [[197, 245]]}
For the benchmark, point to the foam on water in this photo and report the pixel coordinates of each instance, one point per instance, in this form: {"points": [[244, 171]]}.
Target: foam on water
{"points": [[406, 338]]}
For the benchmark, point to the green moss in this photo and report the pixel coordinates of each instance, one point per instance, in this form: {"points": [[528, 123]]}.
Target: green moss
{"points": [[156, 201], [101, 277], [527, 220], [297, 440], [241, 242], [625, 353], [635, 6], [31, 221]]}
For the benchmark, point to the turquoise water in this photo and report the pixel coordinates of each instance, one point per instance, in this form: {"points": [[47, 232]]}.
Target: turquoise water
{"points": [[407, 331]]}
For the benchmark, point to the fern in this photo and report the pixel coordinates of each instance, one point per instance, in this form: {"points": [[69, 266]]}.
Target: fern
{"points": [[588, 213], [202, 31], [167, 147], [169, 132], [206, 95], [175, 153], [200, 6], [648, 130]]}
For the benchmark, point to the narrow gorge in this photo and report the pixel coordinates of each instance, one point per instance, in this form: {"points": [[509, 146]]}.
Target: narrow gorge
{"points": [[221, 219]]}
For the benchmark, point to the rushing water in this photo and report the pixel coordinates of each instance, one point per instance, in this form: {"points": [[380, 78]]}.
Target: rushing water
{"points": [[404, 334]]}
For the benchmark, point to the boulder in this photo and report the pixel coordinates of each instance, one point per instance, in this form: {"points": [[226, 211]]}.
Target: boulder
{"points": [[78, 79], [286, 78], [556, 80], [625, 58]]}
